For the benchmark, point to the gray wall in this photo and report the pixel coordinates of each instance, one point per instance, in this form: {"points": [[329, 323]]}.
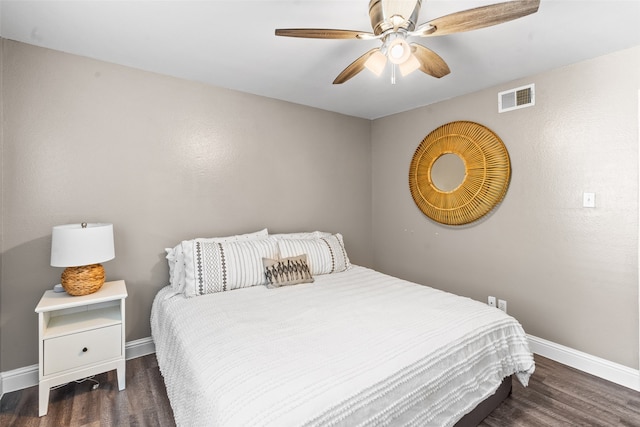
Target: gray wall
{"points": [[164, 160], [568, 273], [1, 189]]}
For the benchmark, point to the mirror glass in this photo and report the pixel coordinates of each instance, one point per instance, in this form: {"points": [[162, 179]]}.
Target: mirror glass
{"points": [[448, 172]]}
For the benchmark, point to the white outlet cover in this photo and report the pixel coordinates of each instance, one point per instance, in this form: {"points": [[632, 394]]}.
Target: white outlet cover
{"points": [[502, 305]]}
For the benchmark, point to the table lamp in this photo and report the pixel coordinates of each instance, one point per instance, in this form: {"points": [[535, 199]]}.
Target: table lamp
{"points": [[81, 248]]}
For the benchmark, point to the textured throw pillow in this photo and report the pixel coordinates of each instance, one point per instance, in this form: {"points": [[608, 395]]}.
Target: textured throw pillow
{"points": [[175, 255], [286, 271], [325, 255], [223, 266]]}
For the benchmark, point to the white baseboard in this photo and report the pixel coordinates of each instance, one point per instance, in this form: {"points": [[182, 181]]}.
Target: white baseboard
{"points": [[602, 368], [139, 348], [18, 379]]}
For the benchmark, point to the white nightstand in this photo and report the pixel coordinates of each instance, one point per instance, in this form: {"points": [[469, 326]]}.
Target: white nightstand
{"points": [[80, 337]]}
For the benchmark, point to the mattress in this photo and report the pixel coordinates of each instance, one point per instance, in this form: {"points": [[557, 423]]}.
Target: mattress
{"points": [[357, 348]]}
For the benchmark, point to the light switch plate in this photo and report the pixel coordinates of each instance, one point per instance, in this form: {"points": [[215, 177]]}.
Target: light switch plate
{"points": [[589, 200]]}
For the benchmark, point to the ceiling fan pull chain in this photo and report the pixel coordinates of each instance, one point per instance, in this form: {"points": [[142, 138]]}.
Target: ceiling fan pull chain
{"points": [[393, 74]]}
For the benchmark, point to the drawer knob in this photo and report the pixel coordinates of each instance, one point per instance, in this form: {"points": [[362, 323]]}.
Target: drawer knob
{"points": [[85, 349]]}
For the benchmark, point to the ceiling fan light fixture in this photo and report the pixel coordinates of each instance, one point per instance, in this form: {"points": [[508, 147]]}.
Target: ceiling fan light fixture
{"points": [[409, 66], [398, 51], [376, 62], [393, 21]]}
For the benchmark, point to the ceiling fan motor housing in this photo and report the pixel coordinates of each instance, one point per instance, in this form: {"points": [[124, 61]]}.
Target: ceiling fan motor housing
{"points": [[382, 11]]}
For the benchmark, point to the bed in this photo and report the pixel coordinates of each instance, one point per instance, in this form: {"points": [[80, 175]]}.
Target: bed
{"points": [[348, 347]]}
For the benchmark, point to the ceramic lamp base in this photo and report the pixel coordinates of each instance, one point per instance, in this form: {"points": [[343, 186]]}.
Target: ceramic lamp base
{"points": [[83, 280]]}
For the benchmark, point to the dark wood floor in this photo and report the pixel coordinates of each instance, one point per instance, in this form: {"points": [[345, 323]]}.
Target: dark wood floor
{"points": [[561, 396], [144, 402], [557, 396]]}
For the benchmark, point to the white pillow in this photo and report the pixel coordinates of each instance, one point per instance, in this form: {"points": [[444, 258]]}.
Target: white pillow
{"points": [[325, 255], [303, 235], [223, 266], [176, 266], [175, 255]]}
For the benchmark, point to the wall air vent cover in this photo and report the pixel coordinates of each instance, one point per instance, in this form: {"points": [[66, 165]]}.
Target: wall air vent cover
{"points": [[520, 97]]}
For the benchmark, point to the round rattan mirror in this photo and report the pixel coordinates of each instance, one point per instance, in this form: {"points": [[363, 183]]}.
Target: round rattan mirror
{"points": [[486, 173]]}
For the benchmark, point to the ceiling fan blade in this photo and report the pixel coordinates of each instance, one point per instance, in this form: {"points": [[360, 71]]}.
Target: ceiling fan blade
{"points": [[354, 68], [430, 62], [476, 18], [320, 33], [405, 8], [393, 15]]}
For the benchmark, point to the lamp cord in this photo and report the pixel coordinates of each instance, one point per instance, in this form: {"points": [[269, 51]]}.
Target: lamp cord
{"points": [[93, 387]]}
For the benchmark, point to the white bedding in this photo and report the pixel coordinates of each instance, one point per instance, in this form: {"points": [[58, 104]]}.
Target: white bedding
{"points": [[353, 348]]}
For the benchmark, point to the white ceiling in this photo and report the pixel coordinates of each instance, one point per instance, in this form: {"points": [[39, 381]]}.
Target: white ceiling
{"points": [[232, 44]]}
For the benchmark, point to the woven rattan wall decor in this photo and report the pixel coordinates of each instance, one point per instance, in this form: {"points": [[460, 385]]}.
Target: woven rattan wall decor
{"points": [[487, 173]]}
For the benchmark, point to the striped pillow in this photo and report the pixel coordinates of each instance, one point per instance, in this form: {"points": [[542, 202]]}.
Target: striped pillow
{"points": [[175, 255], [325, 255], [222, 266]]}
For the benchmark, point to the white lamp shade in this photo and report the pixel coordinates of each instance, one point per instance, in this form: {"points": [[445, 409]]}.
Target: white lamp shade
{"points": [[398, 51], [74, 246], [410, 65], [376, 62]]}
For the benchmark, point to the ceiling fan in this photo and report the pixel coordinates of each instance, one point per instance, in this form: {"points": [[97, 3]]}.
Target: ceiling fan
{"points": [[393, 21]]}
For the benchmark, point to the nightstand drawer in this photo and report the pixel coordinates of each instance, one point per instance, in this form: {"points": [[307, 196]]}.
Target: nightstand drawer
{"points": [[84, 348]]}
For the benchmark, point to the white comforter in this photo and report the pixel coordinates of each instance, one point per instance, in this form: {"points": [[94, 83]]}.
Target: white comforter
{"points": [[353, 348]]}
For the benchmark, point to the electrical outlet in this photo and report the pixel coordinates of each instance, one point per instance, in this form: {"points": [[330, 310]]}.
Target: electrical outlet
{"points": [[502, 305], [491, 301]]}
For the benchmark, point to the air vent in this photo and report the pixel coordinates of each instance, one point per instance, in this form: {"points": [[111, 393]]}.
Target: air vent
{"points": [[519, 97]]}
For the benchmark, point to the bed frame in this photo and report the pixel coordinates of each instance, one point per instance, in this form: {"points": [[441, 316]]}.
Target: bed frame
{"points": [[480, 412]]}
